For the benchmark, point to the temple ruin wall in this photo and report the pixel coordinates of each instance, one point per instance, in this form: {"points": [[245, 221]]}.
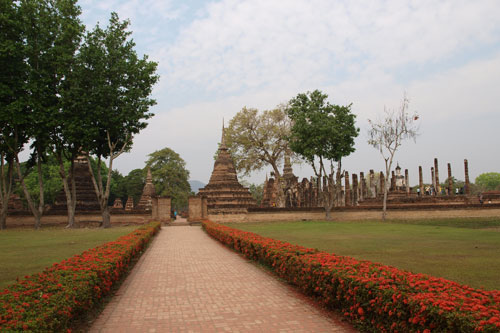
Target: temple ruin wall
{"points": [[91, 219], [357, 214]]}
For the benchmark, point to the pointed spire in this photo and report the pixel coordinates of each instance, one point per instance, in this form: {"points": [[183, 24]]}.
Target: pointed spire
{"points": [[287, 166], [223, 139], [149, 176]]}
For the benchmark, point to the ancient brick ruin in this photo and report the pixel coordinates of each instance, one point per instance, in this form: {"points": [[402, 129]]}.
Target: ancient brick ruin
{"points": [[86, 198], [367, 192], [224, 194], [148, 193]]}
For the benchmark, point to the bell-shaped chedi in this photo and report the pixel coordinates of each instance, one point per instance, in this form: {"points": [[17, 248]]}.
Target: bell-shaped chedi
{"points": [[223, 192], [129, 205], [146, 201]]}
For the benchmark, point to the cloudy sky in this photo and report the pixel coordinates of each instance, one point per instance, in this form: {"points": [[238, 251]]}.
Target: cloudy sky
{"points": [[216, 57]]}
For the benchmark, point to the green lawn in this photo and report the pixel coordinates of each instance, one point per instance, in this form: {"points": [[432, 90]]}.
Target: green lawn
{"points": [[25, 251], [463, 250]]}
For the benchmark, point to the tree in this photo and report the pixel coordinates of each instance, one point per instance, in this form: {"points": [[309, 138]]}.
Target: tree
{"points": [[255, 140], [488, 181], [110, 85], [118, 188], [134, 184], [387, 136], [12, 98], [170, 176], [52, 34], [322, 133], [51, 180]]}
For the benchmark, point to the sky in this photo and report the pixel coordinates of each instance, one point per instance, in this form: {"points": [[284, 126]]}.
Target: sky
{"points": [[216, 57]]}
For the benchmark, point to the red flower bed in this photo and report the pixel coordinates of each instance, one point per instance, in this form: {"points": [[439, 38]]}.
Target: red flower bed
{"points": [[48, 300], [373, 296]]}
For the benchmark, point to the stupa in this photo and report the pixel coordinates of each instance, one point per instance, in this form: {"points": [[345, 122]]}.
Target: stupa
{"points": [[224, 193], [86, 198], [118, 204], [146, 200], [129, 205]]}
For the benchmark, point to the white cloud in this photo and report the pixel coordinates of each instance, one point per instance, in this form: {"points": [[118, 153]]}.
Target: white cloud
{"points": [[250, 44], [260, 53]]}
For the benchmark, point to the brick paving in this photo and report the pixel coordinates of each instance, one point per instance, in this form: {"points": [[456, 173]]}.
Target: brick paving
{"points": [[188, 282]]}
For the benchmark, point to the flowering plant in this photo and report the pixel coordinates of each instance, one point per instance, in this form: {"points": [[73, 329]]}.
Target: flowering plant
{"points": [[47, 301], [371, 295]]}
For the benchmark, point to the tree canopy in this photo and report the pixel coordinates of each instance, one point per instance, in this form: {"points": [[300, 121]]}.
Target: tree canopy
{"points": [[322, 133], [170, 176], [257, 139], [67, 97], [321, 130], [488, 181]]}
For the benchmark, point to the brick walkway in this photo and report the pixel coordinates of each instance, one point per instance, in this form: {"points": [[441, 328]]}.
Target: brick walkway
{"points": [[188, 282]]}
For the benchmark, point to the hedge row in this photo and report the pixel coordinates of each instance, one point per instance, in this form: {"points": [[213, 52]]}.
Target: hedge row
{"points": [[48, 300], [374, 297]]}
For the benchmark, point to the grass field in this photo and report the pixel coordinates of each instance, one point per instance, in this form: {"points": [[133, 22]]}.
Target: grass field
{"points": [[463, 250], [25, 251]]}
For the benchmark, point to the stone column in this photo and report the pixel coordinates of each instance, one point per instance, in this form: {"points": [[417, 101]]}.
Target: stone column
{"points": [[347, 186], [433, 180], [195, 208], [450, 181], [436, 170], [354, 189], [420, 180], [393, 181], [362, 186], [319, 197], [164, 207], [382, 182], [407, 182], [373, 186], [467, 184], [365, 188]]}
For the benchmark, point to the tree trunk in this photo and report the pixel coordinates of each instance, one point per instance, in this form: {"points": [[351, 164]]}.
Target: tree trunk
{"points": [[327, 204], [5, 191], [102, 193], [384, 206], [329, 196], [3, 215], [70, 192], [106, 217], [37, 212]]}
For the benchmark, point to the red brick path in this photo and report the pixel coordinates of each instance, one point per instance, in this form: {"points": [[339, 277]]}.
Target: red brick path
{"points": [[188, 282]]}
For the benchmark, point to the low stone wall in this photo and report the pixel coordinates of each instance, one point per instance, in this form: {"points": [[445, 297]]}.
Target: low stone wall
{"points": [[352, 214], [81, 220]]}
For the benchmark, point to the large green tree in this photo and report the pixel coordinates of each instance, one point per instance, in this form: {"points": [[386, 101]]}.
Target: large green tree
{"points": [[110, 88], [322, 134], [52, 34], [13, 71], [257, 139], [488, 181], [134, 184], [170, 176]]}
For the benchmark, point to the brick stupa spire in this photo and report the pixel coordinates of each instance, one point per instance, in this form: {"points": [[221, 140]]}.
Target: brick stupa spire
{"points": [[146, 201], [224, 193]]}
